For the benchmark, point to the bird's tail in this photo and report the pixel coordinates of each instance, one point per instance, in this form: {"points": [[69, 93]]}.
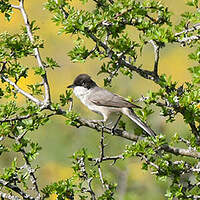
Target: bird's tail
{"points": [[130, 113]]}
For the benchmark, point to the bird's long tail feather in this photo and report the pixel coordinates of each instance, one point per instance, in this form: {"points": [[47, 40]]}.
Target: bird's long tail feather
{"points": [[130, 113]]}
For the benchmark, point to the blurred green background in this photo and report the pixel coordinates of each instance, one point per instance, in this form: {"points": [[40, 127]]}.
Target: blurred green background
{"points": [[59, 141]]}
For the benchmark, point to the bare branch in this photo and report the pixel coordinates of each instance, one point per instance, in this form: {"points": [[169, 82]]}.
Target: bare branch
{"points": [[130, 136], [117, 132], [101, 177], [180, 151], [156, 55], [108, 158], [19, 90], [15, 7], [188, 40], [102, 146], [194, 28], [47, 99]]}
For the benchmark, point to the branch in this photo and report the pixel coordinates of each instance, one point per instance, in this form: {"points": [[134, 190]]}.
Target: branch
{"points": [[99, 160], [15, 118], [47, 99], [31, 172], [180, 151], [81, 163], [149, 162], [102, 157], [101, 177], [144, 73], [107, 158], [27, 166], [16, 189], [19, 90], [156, 55], [194, 28], [15, 7], [102, 146], [194, 130], [188, 39], [117, 132], [130, 136], [8, 196], [110, 53]]}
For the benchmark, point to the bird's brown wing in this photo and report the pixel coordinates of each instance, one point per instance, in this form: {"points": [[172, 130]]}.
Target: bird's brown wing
{"points": [[103, 97]]}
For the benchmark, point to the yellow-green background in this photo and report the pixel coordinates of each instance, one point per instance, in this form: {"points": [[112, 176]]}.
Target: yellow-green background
{"points": [[59, 141]]}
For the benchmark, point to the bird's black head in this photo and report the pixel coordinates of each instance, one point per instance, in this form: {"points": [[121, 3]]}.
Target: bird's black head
{"points": [[83, 80]]}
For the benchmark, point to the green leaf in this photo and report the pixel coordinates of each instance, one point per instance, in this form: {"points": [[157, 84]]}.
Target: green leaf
{"points": [[39, 71], [51, 63], [66, 98], [7, 16]]}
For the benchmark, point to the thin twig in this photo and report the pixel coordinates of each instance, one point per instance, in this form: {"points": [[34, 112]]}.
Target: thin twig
{"points": [[102, 146], [156, 55], [107, 158], [149, 162], [101, 177]]}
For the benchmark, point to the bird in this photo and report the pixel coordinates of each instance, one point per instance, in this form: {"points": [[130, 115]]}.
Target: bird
{"points": [[105, 103]]}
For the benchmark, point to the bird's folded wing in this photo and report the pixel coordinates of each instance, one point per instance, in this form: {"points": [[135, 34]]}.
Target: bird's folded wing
{"points": [[102, 97]]}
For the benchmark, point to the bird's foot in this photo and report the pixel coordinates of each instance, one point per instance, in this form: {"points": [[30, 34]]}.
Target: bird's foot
{"points": [[98, 122], [113, 130], [115, 126]]}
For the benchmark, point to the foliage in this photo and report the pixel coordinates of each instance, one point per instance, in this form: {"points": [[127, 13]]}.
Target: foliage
{"points": [[107, 26]]}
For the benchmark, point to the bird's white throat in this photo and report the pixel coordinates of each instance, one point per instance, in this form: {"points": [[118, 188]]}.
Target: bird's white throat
{"points": [[80, 91]]}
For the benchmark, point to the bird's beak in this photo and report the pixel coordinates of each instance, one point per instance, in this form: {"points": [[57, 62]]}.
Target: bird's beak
{"points": [[71, 86]]}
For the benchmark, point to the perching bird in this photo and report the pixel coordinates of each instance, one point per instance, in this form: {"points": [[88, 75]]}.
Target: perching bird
{"points": [[102, 101]]}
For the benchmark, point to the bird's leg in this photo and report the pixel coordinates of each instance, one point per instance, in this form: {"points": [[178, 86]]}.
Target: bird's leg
{"points": [[114, 127]]}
